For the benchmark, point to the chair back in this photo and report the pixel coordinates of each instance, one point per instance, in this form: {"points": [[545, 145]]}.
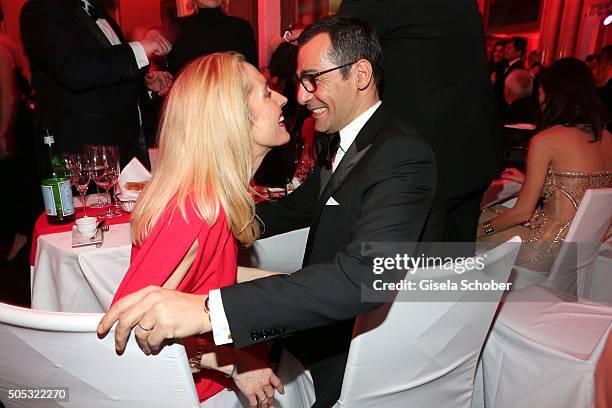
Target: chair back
{"points": [[280, 253], [53, 349], [572, 271], [421, 353]]}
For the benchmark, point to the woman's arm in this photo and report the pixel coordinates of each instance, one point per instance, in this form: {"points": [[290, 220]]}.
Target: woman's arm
{"points": [[248, 274], [539, 157], [251, 373]]}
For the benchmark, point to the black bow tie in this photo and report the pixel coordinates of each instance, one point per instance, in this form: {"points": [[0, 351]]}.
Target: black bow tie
{"points": [[93, 12], [327, 146]]}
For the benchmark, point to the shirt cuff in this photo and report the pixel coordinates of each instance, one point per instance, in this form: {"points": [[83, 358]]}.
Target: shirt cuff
{"points": [[218, 320], [139, 54]]}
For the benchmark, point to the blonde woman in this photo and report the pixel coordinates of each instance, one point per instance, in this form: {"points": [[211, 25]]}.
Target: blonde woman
{"points": [[219, 121]]}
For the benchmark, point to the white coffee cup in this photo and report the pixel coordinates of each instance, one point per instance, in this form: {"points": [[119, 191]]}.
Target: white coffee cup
{"points": [[87, 225]]}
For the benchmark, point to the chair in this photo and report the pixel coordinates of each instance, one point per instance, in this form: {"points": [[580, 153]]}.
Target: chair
{"points": [[573, 271], [547, 351], [54, 349], [280, 253], [421, 353]]}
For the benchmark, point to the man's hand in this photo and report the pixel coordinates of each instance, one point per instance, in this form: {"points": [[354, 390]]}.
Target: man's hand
{"points": [[155, 314], [159, 81], [258, 386], [157, 45]]}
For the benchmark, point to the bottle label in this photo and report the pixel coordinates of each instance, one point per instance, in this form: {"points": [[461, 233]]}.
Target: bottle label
{"points": [[57, 196], [65, 193], [49, 199]]}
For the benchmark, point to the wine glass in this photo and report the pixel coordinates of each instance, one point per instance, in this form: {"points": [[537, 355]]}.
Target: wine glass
{"points": [[100, 203], [105, 170], [304, 162], [80, 175]]}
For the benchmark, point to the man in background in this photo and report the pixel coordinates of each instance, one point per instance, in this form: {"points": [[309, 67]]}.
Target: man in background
{"points": [[436, 79], [88, 79], [522, 108]]}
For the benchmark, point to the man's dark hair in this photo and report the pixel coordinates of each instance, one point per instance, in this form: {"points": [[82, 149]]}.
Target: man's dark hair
{"points": [[571, 97], [351, 40], [520, 44]]}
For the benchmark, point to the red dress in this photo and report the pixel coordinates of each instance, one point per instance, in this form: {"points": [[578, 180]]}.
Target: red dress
{"points": [[214, 266]]}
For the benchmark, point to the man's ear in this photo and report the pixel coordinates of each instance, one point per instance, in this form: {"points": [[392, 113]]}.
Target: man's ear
{"points": [[364, 74]]}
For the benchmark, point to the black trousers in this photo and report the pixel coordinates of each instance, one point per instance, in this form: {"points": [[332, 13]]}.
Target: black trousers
{"points": [[324, 351]]}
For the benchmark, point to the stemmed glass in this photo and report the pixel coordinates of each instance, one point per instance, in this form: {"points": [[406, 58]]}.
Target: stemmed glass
{"points": [[100, 203], [304, 160], [80, 175], [105, 171]]}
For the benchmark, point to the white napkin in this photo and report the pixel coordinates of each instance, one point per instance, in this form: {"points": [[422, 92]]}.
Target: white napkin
{"points": [[134, 172]]}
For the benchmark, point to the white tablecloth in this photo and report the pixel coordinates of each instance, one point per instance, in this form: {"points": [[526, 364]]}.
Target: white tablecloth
{"points": [[67, 279], [85, 279]]}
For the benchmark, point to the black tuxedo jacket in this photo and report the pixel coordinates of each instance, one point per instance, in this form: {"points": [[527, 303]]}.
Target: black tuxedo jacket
{"points": [[87, 90], [384, 185], [436, 79]]}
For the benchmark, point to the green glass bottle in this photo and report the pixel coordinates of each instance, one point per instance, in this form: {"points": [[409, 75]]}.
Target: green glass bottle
{"points": [[56, 190]]}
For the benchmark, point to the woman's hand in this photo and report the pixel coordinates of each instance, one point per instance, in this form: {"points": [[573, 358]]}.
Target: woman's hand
{"points": [[258, 386], [513, 174]]}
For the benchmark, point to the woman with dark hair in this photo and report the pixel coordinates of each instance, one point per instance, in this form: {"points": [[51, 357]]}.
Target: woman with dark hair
{"points": [[497, 63], [571, 154]]}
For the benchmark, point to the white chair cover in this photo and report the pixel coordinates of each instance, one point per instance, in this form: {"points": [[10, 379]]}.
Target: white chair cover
{"points": [[54, 349], [62, 350], [543, 351], [419, 353], [573, 269], [280, 253]]}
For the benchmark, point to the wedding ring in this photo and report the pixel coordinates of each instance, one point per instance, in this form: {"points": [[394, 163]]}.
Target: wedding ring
{"points": [[139, 325]]}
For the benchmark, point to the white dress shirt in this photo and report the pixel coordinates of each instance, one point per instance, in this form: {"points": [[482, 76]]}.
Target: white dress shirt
{"points": [[139, 53], [218, 319]]}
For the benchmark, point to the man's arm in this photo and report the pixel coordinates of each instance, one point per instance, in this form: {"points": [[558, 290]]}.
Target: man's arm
{"points": [[292, 211], [393, 211]]}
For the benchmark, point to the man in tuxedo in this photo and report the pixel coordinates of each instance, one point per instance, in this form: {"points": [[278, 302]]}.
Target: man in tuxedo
{"points": [[436, 79], [88, 79], [376, 185], [514, 53]]}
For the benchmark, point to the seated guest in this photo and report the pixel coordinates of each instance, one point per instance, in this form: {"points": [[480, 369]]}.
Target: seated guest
{"points": [[517, 92], [572, 153], [218, 123]]}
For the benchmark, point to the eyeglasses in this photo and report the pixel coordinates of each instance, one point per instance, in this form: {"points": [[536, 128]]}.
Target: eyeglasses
{"points": [[309, 81]]}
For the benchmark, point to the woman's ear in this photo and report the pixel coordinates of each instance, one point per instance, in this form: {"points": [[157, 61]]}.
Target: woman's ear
{"points": [[364, 74]]}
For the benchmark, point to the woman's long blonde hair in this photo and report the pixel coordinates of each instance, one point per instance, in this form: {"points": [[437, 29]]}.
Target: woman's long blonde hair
{"points": [[204, 148]]}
